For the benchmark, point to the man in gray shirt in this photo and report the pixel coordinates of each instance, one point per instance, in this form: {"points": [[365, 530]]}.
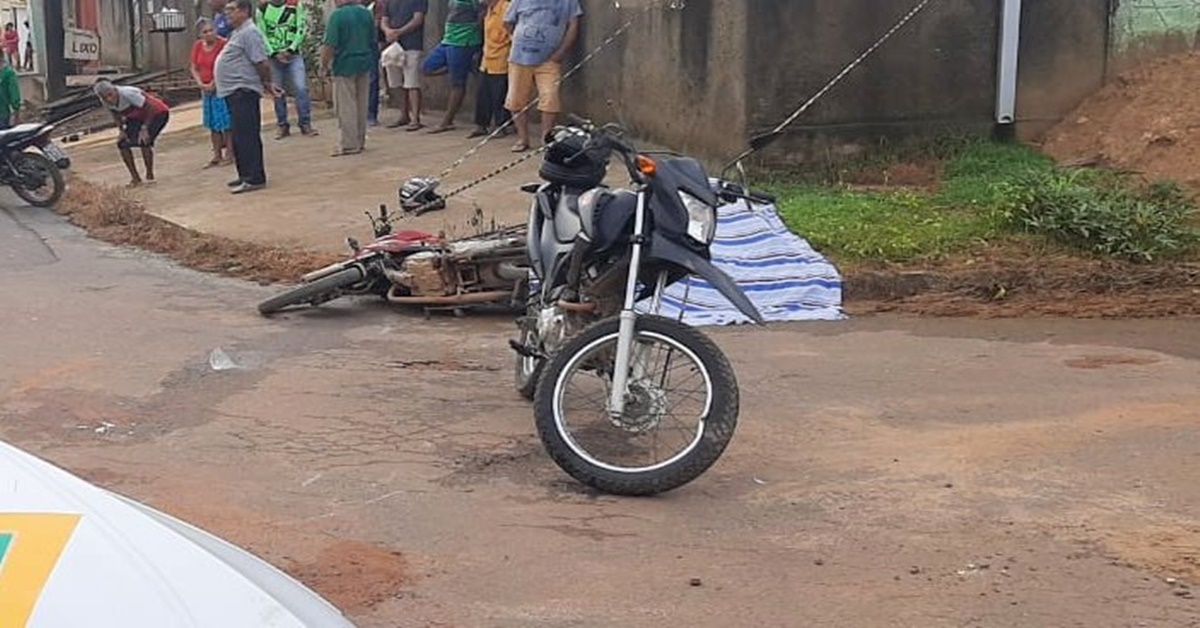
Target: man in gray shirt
{"points": [[243, 77]]}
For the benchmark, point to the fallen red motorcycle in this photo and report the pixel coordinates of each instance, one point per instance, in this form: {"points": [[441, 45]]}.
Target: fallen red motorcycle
{"points": [[420, 269]]}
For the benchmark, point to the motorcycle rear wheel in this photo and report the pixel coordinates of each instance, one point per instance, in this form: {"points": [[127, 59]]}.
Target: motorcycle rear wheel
{"points": [[32, 167], [663, 348], [310, 292], [527, 370]]}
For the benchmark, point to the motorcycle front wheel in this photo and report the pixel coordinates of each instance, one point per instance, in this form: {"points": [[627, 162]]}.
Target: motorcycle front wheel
{"points": [[38, 182], [319, 291], [680, 415]]}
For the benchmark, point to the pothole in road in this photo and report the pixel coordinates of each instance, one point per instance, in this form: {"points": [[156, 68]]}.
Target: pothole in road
{"points": [[1096, 362]]}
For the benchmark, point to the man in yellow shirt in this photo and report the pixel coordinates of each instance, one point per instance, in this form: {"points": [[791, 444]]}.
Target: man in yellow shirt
{"points": [[493, 84]]}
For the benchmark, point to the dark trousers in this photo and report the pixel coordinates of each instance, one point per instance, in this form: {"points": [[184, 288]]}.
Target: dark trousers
{"points": [[373, 95], [245, 113], [489, 101]]}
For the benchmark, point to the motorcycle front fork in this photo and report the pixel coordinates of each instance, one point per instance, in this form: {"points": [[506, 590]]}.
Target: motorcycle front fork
{"points": [[628, 318]]}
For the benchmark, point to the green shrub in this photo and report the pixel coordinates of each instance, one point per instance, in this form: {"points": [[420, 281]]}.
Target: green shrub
{"points": [[1100, 212]]}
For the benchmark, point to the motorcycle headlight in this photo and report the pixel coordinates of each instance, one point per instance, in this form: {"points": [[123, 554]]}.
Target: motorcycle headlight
{"points": [[702, 219]]}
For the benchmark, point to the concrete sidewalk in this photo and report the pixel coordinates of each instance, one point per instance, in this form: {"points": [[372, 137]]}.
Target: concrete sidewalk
{"points": [[313, 200]]}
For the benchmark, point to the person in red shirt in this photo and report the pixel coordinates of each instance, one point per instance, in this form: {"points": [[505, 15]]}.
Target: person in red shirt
{"points": [[216, 112], [12, 44], [141, 117]]}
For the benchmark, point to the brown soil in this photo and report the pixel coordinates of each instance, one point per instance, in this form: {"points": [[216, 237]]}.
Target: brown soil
{"points": [[109, 215], [1146, 121], [355, 576], [1015, 280], [923, 174]]}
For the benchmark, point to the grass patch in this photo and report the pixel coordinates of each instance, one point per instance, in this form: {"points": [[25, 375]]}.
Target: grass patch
{"points": [[988, 192], [889, 226]]}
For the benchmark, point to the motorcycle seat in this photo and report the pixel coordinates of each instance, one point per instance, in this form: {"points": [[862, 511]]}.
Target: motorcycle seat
{"points": [[19, 132]]}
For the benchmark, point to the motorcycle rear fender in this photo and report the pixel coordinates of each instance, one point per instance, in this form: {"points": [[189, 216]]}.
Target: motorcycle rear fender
{"points": [[668, 251], [400, 242], [23, 136]]}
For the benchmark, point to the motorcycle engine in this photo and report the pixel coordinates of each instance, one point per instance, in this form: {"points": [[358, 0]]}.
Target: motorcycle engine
{"points": [[421, 274]]}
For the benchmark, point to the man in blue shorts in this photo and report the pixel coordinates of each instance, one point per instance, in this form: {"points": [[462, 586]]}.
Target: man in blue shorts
{"points": [[457, 55]]}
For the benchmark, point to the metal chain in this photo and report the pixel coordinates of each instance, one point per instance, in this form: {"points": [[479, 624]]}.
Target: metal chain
{"points": [[841, 75], [495, 173], [673, 4]]}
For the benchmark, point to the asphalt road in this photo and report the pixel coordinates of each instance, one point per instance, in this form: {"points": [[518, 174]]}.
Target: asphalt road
{"points": [[887, 471]]}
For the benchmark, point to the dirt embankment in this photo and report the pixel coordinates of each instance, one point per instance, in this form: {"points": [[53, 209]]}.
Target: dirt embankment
{"points": [[1146, 121], [1015, 281], [109, 215]]}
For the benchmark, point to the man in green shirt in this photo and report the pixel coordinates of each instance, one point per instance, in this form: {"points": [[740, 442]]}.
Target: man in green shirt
{"points": [[10, 95], [458, 54], [285, 25], [348, 54]]}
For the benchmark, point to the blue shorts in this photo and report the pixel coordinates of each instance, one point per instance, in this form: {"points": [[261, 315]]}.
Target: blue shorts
{"points": [[459, 60]]}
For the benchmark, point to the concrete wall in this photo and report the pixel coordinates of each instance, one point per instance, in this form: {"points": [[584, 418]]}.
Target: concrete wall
{"points": [[677, 77], [115, 25], [936, 75], [1063, 59], [1145, 28]]}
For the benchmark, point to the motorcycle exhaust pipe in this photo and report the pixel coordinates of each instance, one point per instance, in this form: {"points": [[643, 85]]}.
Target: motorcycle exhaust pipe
{"points": [[512, 272], [470, 298]]}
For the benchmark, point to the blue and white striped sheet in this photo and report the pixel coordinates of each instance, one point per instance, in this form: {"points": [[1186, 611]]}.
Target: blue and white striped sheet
{"points": [[779, 271]]}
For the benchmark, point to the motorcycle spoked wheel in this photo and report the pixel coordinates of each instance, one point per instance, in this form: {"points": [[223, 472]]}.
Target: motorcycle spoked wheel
{"points": [[39, 182], [683, 391], [318, 291]]}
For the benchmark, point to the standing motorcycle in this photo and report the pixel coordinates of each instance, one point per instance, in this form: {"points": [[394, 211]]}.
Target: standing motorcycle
{"points": [[626, 403], [35, 176]]}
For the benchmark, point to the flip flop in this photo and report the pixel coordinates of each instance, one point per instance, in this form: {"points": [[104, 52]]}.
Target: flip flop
{"points": [[343, 152], [212, 164], [442, 129], [478, 133], [416, 126], [520, 147], [399, 123]]}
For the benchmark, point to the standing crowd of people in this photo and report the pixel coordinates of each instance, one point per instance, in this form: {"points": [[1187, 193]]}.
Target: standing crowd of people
{"points": [[254, 49]]}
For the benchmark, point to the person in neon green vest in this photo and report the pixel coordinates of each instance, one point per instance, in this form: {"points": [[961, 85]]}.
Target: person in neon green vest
{"points": [[285, 25]]}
